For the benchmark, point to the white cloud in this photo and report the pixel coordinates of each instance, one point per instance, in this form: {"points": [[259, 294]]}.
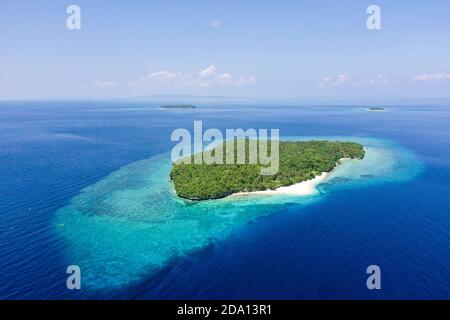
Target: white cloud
{"points": [[330, 81], [104, 84], [214, 23], [431, 76], [161, 76], [208, 77], [345, 79]]}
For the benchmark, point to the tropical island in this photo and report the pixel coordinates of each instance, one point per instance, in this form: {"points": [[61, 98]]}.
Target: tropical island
{"points": [[178, 106], [299, 161]]}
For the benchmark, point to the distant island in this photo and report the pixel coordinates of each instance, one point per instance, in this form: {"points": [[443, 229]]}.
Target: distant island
{"points": [[376, 109], [178, 106], [299, 161]]}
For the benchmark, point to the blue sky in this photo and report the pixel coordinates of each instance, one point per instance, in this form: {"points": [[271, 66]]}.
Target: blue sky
{"points": [[242, 48]]}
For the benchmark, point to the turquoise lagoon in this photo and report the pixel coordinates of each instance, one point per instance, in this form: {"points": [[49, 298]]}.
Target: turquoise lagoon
{"points": [[131, 225]]}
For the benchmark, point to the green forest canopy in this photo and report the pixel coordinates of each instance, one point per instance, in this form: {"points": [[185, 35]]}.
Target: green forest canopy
{"points": [[299, 161]]}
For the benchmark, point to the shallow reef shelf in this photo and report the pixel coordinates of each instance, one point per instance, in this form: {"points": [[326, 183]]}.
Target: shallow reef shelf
{"points": [[130, 225]]}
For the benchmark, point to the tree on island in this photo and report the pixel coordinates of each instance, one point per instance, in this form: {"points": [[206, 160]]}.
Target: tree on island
{"points": [[299, 161]]}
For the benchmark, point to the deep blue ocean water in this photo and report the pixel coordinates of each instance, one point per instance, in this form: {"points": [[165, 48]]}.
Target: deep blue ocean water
{"points": [[50, 151]]}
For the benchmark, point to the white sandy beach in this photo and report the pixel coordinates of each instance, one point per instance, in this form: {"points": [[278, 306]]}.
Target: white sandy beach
{"points": [[303, 188]]}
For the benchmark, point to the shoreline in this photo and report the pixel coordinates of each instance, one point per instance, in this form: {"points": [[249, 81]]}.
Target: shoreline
{"points": [[304, 188]]}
